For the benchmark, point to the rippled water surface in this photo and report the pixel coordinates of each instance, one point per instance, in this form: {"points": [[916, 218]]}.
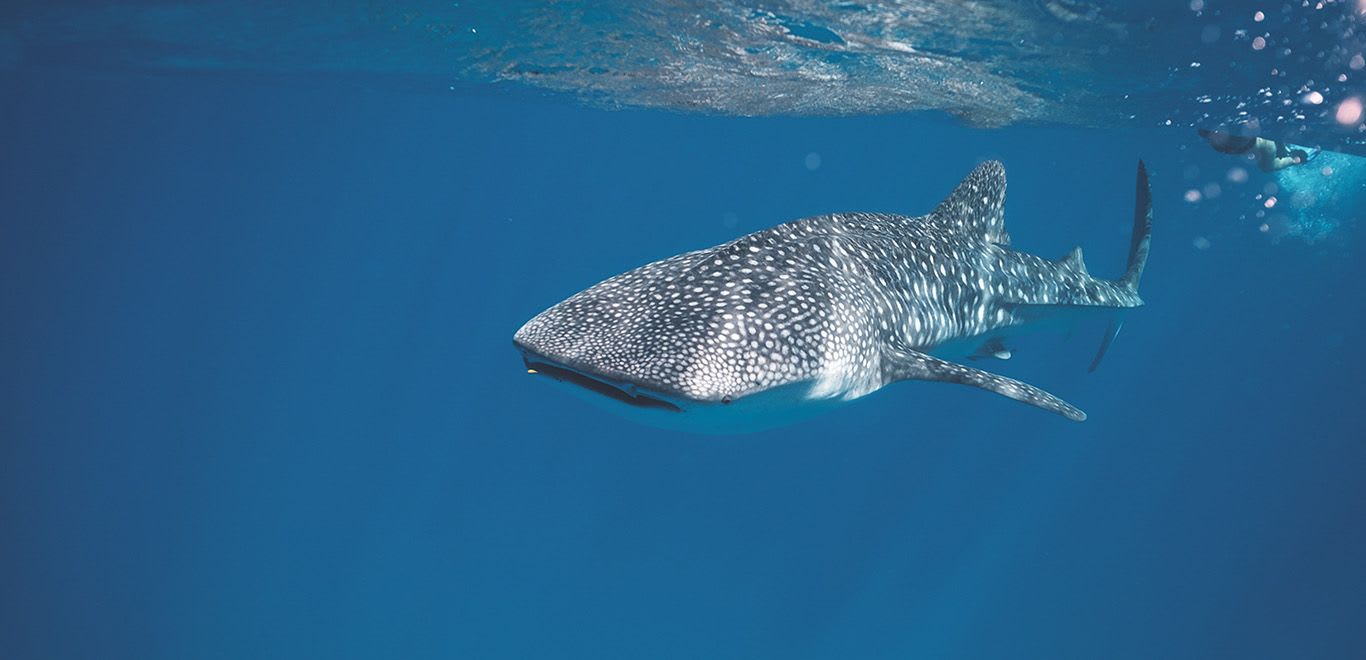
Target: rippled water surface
{"points": [[1285, 66]]}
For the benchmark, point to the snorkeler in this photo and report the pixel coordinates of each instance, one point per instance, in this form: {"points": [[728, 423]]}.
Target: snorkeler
{"points": [[1269, 154]]}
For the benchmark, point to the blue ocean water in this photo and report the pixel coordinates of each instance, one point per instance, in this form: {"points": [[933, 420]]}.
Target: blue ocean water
{"points": [[260, 397]]}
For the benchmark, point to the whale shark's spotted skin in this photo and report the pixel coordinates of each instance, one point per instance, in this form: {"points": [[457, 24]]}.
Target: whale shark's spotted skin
{"points": [[838, 305]]}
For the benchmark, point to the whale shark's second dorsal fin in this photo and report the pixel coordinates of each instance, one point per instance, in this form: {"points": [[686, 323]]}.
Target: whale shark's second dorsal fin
{"points": [[977, 206], [1074, 262]]}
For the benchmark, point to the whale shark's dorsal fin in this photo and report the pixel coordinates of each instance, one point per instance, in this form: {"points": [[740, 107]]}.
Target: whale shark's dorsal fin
{"points": [[977, 206]]}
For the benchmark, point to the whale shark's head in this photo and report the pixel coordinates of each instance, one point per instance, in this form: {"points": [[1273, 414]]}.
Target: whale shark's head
{"points": [[710, 325], [704, 332]]}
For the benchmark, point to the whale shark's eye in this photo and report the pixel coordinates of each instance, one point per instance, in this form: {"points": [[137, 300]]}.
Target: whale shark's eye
{"points": [[725, 399]]}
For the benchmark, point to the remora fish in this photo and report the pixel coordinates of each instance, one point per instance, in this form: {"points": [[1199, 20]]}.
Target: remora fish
{"points": [[821, 311]]}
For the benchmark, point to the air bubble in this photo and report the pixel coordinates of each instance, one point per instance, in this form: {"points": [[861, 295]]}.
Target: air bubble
{"points": [[1349, 111]]}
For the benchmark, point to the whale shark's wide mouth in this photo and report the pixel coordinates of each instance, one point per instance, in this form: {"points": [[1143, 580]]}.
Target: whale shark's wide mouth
{"points": [[627, 394]]}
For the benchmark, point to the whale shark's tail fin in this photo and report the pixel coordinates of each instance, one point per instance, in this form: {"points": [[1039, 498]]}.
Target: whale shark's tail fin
{"points": [[1143, 229], [1138, 253], [1111, 331]]}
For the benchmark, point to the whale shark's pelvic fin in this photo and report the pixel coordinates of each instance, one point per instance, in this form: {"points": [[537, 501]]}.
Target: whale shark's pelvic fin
{"points": [[991, 348], [977, 206], [907, 364]]}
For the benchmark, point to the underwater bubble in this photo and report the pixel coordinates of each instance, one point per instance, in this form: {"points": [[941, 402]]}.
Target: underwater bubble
{"points": [[1315, 206], [1259, 17], [1357, 62], [1312, 228], [1212, 190], [1259, 43], [1312, 98], [1192, 195], [1349, 111], [1270, 202], [1201, 243], [1237, 175], [813, 161]]}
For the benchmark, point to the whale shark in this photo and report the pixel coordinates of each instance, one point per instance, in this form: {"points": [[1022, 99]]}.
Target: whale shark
{"points": [[815, 313]]}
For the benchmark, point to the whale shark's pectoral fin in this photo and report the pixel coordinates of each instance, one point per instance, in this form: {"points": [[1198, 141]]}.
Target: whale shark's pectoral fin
{"points": [[906, 364]]}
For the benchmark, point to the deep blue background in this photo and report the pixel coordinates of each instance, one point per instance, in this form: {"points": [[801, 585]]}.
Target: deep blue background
{"points": [[259, 396]]}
